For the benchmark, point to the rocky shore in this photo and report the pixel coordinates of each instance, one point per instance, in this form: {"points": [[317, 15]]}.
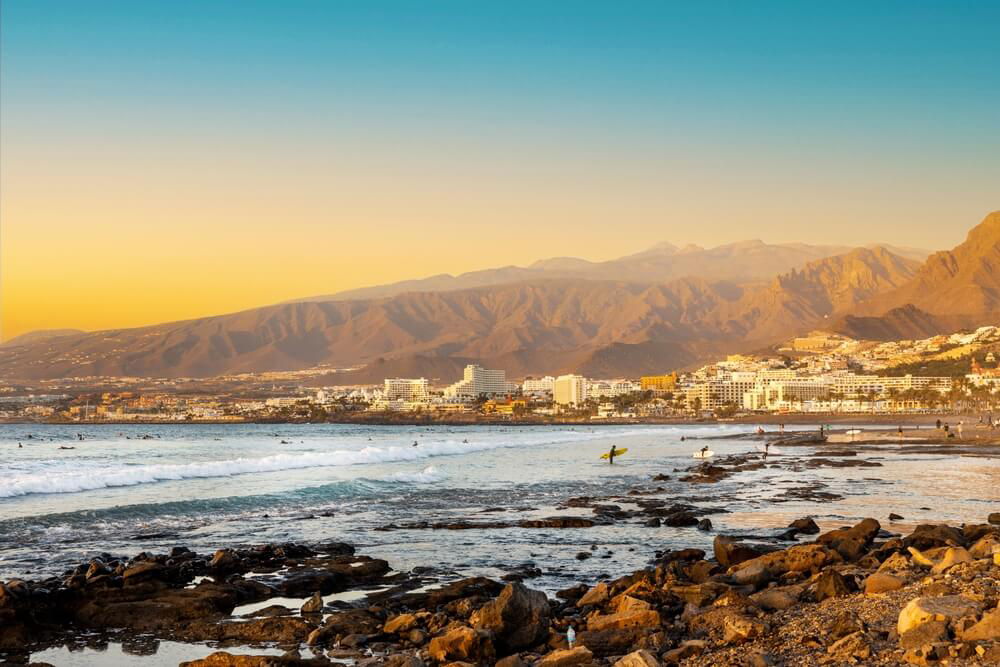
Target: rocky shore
{"points": [[858, 594]]}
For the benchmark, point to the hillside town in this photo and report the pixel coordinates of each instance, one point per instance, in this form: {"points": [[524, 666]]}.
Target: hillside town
{"points": [[821, 373]]}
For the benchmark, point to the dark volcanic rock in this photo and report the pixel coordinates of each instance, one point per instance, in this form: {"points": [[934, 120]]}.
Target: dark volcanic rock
{"points": [[928, 536], [729, 552], [851, 543], [518, 618], [805, 525]]}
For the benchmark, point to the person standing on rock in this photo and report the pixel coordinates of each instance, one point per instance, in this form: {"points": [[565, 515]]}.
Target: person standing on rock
{"points": [[611, 455]]}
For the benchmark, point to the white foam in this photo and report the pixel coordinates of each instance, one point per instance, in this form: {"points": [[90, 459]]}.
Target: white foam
{"points": [[72, 477], [428, 475]]}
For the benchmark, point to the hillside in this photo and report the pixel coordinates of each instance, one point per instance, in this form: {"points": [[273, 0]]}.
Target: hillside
{"points": [[952, 290], [600, 327]]}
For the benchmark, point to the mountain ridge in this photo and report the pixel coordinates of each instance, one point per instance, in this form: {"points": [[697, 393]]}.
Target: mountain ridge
{"points": [[531, 326]]}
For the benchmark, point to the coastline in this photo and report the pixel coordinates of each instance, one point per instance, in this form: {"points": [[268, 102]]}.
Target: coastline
{"points": [[380, 419], [836, 596]]}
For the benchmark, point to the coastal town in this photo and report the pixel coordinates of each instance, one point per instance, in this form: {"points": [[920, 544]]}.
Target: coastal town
{"points": [[821, 373]]}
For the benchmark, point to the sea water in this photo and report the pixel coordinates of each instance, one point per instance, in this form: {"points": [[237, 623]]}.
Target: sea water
{"points": [[71, 492]]}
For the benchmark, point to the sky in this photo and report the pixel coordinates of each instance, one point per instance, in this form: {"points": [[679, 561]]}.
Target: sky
{"points": [[169, 160]]}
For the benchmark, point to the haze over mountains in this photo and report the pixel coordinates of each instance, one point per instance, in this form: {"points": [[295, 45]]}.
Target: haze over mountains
{"points": [[653, 311], [741, 262]]}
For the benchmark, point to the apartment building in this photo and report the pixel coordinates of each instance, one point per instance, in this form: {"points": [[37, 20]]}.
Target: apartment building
{"points": [[406, 389], [570, 390], [479, 381]]}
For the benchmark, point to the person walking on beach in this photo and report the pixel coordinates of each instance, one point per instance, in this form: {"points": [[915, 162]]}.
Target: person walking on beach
{"points": [[611, 455], [960, 430]]}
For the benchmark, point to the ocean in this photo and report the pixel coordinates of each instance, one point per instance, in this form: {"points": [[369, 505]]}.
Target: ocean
{"points": [[74, 491]]}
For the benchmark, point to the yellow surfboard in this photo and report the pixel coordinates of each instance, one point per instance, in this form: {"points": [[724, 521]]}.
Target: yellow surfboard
{"points": [[618, 452]]}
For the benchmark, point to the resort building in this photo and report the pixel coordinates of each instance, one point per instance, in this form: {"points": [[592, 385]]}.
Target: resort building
{"points": [[658, 383], [479, 381], [539, 386], [570, 390], [405, 389]]}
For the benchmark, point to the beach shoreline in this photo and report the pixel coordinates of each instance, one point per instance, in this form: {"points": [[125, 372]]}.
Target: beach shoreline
{"points": [[323, 603]]}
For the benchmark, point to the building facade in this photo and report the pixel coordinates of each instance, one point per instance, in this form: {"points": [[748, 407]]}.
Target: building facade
{"points": [[478, 381], [406, 389], [570, 390]]}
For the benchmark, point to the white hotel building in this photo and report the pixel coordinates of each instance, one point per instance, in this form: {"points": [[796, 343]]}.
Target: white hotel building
{"points": [[405, 389], [478, 381]]}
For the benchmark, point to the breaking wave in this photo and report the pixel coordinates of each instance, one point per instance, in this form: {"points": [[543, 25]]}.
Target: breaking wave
{"points": [[118, 475], [428, 475]]}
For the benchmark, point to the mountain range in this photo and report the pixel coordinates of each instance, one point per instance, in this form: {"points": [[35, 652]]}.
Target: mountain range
{"points": [[654, 311]]}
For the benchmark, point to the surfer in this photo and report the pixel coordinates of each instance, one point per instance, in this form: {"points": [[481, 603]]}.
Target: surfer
{"points": [[767, 446], [705, 449], [611, 455], [414, 443]]}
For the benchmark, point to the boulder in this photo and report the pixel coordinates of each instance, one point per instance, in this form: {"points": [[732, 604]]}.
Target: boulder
{"points": [[223, 659], [846, 623], [224, 560], [984, 547], [567, 658], [987, 629], [401, 624], [624, 620], [854, 646], [610, 642], [739, 629], [680, 519], [688, 649], [270, 629], [775, 599], [881, 582], [752, 573], [313, 605], [897, 562], [951, 557], [806, 526], [519, 618], [351, 622], [462, 643], [924, 634], [946, 608], [698, 594], [830, 584], [801, 558], [994, 518], [640, 658], [625, 603], [928, 536], [597, 595], [143, 571], [729, 552], [851, 543], [976, 531]]}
